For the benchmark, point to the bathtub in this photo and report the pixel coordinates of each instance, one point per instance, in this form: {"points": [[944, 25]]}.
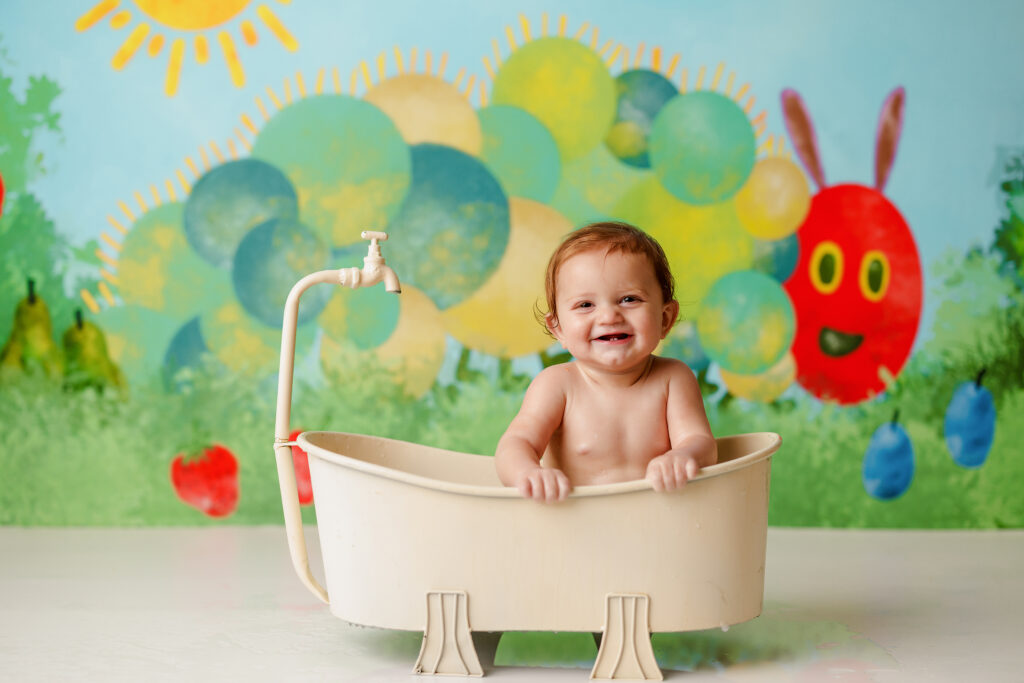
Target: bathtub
{"points": [[423, 539]]}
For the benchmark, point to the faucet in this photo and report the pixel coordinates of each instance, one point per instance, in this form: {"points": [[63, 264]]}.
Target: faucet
{"points": [[373, 270]]}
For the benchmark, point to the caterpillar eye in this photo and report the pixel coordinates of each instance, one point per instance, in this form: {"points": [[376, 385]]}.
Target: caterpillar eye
{"points": [[875, 272], [826, 269]]}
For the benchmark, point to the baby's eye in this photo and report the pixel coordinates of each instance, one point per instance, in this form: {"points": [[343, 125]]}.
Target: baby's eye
{"points": [[584, 304], [629, 298]]}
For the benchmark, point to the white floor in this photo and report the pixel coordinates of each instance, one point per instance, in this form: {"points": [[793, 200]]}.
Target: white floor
{"points": [[223, 604]]}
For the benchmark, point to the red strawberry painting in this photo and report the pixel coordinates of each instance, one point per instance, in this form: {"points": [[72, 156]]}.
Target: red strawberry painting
{"points": [[208, 482], [301, 462]]}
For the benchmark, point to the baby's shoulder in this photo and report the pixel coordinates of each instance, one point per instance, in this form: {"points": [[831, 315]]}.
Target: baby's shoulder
{"points": [[554, 376], [672, 370]]}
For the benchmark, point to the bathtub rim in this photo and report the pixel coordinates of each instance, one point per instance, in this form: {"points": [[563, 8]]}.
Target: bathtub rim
{"points": [[619, 488]]}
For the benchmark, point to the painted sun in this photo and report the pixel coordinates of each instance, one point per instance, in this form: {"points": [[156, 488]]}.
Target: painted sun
{"points": [[153, 25]]}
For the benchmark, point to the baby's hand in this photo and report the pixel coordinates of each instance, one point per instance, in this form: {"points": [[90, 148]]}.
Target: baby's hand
{"points": [[671, 471], [544, 484]]}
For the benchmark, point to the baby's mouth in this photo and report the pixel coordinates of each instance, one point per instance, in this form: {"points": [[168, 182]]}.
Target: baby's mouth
{"points": [[621, 336]]}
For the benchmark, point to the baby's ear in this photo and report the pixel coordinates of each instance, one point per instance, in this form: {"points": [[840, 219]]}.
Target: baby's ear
{"points": [[669, 315], [552, 324]]}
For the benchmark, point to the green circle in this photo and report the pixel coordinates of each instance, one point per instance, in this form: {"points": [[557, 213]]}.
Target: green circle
{"points": [[520, 152], [746, 322], [702, 147], [566, 86], [159, 270], [347, 160]]}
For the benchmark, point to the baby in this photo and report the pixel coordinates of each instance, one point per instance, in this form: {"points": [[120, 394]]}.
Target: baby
{"points": [[617, 413]]}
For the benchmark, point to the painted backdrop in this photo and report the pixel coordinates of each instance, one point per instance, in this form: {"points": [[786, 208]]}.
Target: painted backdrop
{"points": [[841, 198]]}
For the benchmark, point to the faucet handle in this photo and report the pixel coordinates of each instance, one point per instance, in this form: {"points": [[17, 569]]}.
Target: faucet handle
{"points": [[373, 235]]}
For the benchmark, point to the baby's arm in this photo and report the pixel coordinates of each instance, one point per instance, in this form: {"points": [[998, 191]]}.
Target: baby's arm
{"points": [[520, 449], [693, 445]]}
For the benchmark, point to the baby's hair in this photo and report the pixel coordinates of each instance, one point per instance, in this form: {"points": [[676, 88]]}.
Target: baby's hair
{"points": [[612, 236]]}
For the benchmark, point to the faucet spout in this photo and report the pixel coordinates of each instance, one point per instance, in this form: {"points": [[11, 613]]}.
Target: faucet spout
{"points": [[391, 283]]}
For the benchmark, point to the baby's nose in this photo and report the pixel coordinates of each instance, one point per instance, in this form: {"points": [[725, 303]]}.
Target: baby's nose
{"points": [[609, 313]]}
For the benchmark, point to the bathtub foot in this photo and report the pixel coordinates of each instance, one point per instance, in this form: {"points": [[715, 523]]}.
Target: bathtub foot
{"points": [[447, 644], [625, 651]]}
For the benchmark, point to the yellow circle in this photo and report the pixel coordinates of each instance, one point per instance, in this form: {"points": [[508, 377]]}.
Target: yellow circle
{"points": [[412, 355], [498, 319], [766, 386], [826, 267], [243, 343], [427, 109], [190, 15], [702, 243], [874, 291], [775, 199]]}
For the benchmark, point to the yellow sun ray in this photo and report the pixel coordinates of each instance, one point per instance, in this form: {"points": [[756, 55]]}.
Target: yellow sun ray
{"points": [[89, 301], [672, 64], [263, 109], [483, 93], [614, 56], [227, 46], [319, 87], [277, 28], [583, 29], [428, 62], [117, 225], [109, 277], [202, 46], [766, 147], [106, 258], [625, 58], [156, 195], [443, 64], [156, 43], [412, 61], [185, 186], [249, 34], [171, 194], [729, 83], [593, 39], [114, 244], [497, 52], [684, 78], [488, 67], [511, 38], [750, 105], [216, 151], [232, 150], [364, 69], [287, 91], [656, 59], [120, 20], [140, 201], [95, 14], [244, 140], [718, 76], [352, 81], [129, 47], [174, 67], [336, 80], [459, 76], [607, 46], [741, 92], [544, 24], [204, 158], [524, 24], [126, 211], [469, 86], [639, 54], [105, 291], [562, 21], [381, 66], [273, 98], [700, 77], [398, 61]]}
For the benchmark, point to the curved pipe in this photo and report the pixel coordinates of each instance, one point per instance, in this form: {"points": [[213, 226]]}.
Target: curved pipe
{"points": [[282, 450]]}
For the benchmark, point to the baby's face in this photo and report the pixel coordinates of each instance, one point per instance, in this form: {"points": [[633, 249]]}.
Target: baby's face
{"points": [[611, 315]]}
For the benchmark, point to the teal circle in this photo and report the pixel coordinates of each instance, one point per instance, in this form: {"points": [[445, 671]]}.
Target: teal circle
{"points": [[453, 227], [777, 258], [520, 151], [345, 157], [270, 260], [702, 147], [746, 322], [371, 313], [642, 95], [229, 201]]}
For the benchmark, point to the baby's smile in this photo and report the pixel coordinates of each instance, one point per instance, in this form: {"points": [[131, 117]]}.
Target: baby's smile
{"points": [[614, 338]]}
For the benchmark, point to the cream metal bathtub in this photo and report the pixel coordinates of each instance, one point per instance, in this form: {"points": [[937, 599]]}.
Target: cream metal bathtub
{"points": [[419, 538]]}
